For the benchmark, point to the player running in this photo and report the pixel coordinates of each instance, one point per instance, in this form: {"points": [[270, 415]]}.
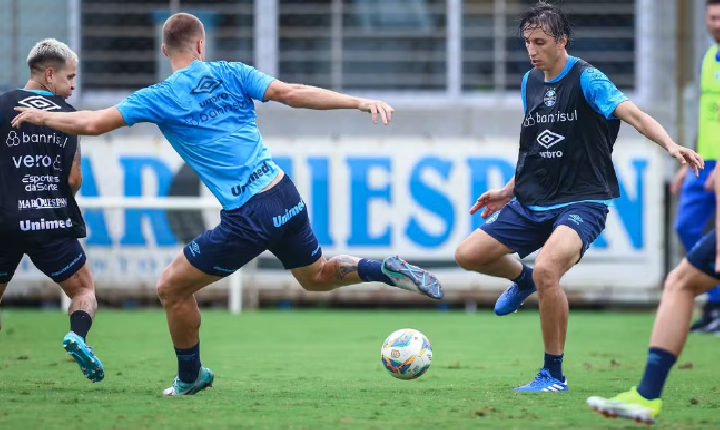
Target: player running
{"points": [[563, 185], [40, 174], [698, 272], [206, 112]]}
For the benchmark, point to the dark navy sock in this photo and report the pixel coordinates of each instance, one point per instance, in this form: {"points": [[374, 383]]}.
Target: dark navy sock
{"points": [[188, 363], [370, 270], [80, 323], [525, 280], [553, 363], [659, 363]]}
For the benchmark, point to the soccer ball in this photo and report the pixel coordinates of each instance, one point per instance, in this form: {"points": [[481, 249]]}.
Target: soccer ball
{"points": [[406, 353]]}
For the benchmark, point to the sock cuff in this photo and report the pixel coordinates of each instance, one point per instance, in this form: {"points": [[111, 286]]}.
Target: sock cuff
{"points": [[82, 314], [662, 353], [188, 351], [554, 357]]}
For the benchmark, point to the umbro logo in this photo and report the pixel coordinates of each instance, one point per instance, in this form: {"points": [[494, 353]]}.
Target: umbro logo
{"points": [[547, 138], [577, 219], [207, 85], [39, 102]]}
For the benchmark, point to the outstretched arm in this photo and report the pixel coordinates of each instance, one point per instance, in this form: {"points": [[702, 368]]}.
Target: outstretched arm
{"points": [[309, 97], [648, 127], [80, 123]]}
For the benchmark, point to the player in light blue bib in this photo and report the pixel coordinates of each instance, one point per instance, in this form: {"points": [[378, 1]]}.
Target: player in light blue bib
{"points": [[206, 112]]}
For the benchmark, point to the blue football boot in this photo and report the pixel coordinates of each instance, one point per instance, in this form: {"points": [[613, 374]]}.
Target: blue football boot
{"points": [[412, 278], [544, 383]]}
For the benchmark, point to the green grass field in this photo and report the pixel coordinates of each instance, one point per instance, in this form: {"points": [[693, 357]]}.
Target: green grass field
{"points": [[315, 369]]}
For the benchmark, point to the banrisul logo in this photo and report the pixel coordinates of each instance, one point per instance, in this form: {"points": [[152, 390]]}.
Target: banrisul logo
{"points": [[207, 85]]}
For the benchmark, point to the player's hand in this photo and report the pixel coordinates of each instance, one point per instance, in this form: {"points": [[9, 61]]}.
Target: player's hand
{"points": [[676, 184], [717, 261], [32, 116], [375, 108], [492, 201], [688, 157]]}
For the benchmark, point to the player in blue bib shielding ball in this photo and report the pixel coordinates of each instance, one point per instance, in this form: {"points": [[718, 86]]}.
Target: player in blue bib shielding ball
{"points": [[563, 185]]}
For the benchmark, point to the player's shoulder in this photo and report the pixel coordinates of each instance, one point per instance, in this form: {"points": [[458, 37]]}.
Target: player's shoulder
{"points": [[589, 72]]}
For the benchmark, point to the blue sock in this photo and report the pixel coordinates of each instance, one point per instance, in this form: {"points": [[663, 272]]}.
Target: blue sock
{"points": [[525, 280], [553, 363], [370, 270], [188, 363], [659, 363]]}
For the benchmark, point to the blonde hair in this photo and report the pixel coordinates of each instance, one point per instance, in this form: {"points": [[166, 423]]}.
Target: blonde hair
{"points": [[49, 52]]}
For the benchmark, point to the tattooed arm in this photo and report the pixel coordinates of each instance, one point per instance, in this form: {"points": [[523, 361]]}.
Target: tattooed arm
{"points": [[75, 176]]}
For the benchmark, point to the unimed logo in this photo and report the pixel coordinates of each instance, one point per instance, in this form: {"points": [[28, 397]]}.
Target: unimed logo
{"points": [[29, 225]]}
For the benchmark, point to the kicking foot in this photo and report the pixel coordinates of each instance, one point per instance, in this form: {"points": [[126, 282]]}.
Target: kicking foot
{"points": [[412, 278]]}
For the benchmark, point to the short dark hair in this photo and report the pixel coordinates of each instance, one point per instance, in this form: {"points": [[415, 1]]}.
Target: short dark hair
{"points": [[180, 30], [549, 18], [711, 2]]}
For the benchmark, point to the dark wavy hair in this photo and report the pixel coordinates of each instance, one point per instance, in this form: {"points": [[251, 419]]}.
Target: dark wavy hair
{"points": [[549, 18]]}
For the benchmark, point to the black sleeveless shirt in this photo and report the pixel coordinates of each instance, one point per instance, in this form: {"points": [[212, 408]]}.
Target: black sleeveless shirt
{"points": [[565, 145], [35, 161]]}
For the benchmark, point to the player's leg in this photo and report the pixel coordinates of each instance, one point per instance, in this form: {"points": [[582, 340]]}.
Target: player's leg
{"points": [[513, 229], [295, 245], [344, 270], [693, 276], [215, 254], [299, 251], [64, 261], [176, 289], [576, 227], [696, 207]]}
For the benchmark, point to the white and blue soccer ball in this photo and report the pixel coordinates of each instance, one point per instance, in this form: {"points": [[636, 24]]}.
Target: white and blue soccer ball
{"points": [[406, 354]]}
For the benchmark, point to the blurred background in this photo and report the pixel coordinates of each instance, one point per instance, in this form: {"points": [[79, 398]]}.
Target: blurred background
{"points": [[450, 68]]}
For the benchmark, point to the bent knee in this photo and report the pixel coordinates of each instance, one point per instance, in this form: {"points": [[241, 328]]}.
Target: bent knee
{"points": [[546, 275], [165, 286], [681, 279]]}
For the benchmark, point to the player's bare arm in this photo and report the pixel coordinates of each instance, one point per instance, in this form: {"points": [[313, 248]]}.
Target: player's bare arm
{"points": [[90, 123], [75, 175], [648, 127], [309, 97]]}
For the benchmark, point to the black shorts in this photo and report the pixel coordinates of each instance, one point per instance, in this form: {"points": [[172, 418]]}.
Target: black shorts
{"points": [[275, 220], [702, 255], [525, 230], [58, 259]]}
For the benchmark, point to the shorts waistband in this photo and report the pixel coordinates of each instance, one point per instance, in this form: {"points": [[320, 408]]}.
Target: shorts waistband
{"points": [[277, 188]]}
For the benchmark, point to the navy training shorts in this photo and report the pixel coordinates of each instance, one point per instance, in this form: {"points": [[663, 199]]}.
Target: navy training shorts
{"points": [[525, 230], [275, 220], [702, 255], [58, 259]]}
